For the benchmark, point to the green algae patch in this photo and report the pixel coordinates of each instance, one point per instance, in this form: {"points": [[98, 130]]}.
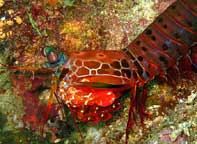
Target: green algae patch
{"points": [[21, 137], [18, 135], [11, 105]]}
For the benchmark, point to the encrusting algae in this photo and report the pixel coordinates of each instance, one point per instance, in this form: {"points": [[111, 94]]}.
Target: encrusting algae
{"points": [[26, 27]]}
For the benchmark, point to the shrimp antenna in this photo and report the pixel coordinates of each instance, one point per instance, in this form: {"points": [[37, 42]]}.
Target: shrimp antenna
{"points": [[72, 115]]}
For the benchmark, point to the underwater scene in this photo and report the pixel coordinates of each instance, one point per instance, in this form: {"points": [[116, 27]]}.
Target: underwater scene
{"points": [[98, 71]]}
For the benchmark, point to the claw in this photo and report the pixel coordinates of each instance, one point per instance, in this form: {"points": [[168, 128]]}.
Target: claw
{"points": [[49, 104], [131, 110]]}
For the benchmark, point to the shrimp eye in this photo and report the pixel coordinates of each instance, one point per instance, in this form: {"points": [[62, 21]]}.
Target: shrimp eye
{"points": [[51, 54], [52, 57]]}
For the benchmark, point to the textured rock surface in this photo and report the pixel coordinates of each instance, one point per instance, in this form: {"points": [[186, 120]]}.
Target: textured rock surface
{"points": [[26, 27]]}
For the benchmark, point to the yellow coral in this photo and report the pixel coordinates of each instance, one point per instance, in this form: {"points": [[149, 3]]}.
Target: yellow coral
{"points": [[1, 3], [9, 34], [2, 35], [2, 24], [72, 27], [72, 42], [18, 20], [10, 22], [10, 11]]}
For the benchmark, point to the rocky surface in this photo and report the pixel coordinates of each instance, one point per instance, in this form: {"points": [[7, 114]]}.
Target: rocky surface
{"points": [[26, 27]]}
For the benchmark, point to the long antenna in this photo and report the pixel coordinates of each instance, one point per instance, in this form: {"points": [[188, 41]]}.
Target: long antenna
{"points": [[75, 123], [72, 115]]}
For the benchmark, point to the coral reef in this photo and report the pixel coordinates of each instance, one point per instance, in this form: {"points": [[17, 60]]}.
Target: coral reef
{"points": [[26, 27]]}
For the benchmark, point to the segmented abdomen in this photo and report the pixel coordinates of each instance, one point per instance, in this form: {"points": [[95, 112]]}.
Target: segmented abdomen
{"points": [[168, 38]]}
